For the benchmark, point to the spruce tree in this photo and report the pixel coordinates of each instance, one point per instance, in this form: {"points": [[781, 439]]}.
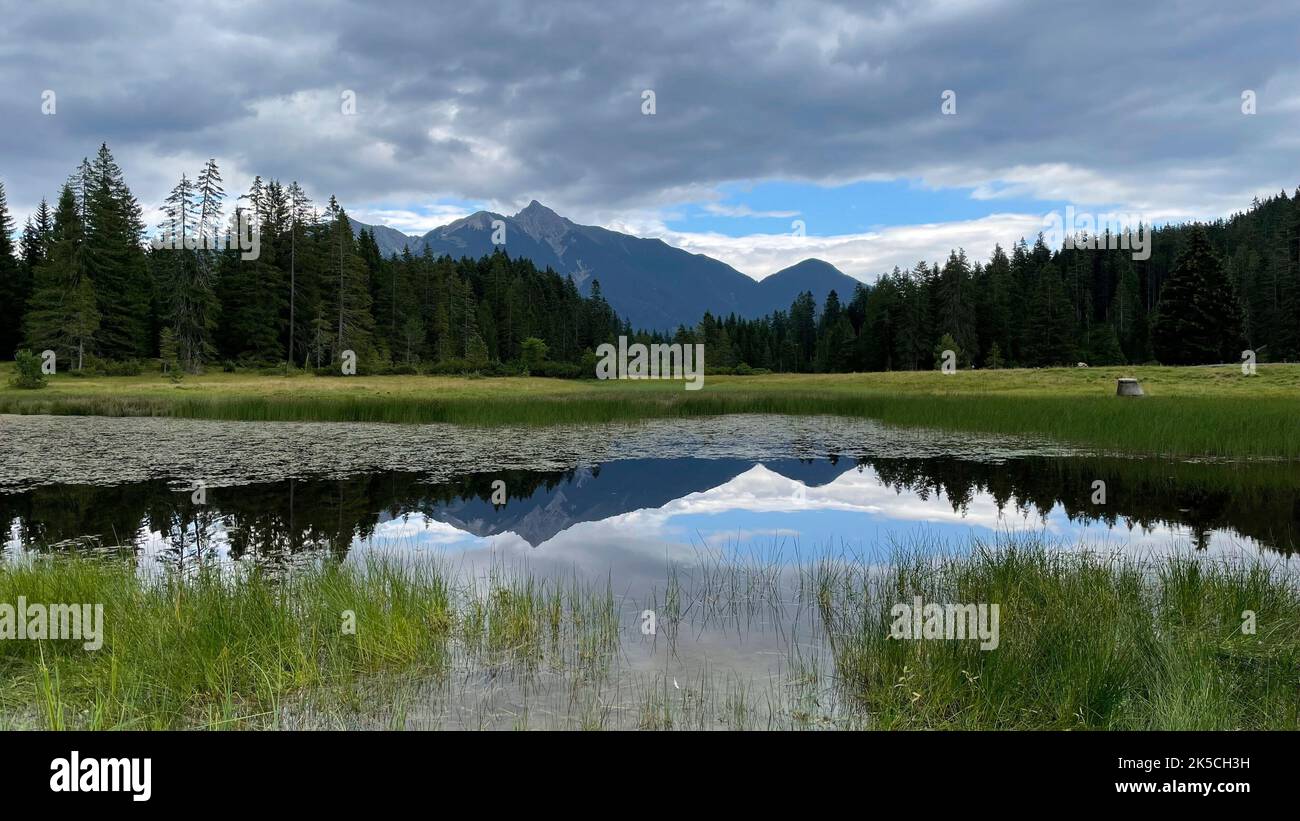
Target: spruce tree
{"points": [[1050, 339], [62, 314], [14, 286], [186, 269], [803, 320], [351, 294], [116, 260], [954, 305], [252, 292], [299, 210], [37, 235], [1198, 319], [81, 320], [35, 249]]}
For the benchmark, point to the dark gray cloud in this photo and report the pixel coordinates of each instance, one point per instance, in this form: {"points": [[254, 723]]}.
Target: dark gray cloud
{"points": [[1120, 102]]}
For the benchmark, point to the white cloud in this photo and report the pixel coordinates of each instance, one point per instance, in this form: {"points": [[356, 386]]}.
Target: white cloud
{"points": [[720, 210], [860, 255], [412, 221], [1133, 107]]}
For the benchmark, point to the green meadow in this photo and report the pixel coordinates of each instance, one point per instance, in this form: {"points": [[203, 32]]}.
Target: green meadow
{"points": [[1196, 411]]}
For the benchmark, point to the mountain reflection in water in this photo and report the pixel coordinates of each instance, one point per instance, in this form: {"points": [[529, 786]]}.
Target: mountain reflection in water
{"points": [[633, 505]]}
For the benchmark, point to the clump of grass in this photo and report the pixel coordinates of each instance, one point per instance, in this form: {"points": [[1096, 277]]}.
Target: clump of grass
{"points": [[1087, 642], [216, 648], [227, 647], [521, 620]]}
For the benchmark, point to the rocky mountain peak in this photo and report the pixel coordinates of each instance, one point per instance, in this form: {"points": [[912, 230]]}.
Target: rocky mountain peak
{"points": [[544, 225]]}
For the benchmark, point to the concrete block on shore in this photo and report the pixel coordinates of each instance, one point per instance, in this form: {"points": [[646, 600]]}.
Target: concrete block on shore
{"points": [[1128, 387]]}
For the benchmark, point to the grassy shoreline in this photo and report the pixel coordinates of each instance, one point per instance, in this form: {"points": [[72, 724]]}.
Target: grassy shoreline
{"points": [[1210, 411], [1087, 642]]}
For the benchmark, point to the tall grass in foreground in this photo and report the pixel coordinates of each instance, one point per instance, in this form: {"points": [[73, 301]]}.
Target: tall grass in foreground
{"points": [[226, 649], [1087, 642]]}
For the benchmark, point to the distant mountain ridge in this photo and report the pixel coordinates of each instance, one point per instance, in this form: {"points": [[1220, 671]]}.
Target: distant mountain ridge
{"points": [[653, 284], [612, 489]]}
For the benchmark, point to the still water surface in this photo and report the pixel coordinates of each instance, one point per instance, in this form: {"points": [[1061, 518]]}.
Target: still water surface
{"points": [[606, 498], [625, 507]]}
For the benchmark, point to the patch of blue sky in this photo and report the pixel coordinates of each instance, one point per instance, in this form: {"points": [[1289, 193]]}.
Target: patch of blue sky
{"points": [[817, 532], [772, 207]]}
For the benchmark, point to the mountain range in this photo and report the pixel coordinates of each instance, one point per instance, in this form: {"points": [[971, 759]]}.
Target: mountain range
{"points": [[611, 489], [648, 281]]}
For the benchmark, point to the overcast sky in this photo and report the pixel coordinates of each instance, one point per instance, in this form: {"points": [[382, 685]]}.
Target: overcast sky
{"points": [[767, 115]]}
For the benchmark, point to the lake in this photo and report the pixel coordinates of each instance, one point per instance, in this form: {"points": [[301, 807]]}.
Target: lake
{"points": [[711, 524]]}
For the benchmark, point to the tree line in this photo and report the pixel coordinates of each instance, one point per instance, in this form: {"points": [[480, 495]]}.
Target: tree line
{"points": [[1207, 293], [85, 280], [88, 282]]}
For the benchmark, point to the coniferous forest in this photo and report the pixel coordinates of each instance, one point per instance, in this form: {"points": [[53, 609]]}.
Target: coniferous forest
{"points": [[82, 278]]}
